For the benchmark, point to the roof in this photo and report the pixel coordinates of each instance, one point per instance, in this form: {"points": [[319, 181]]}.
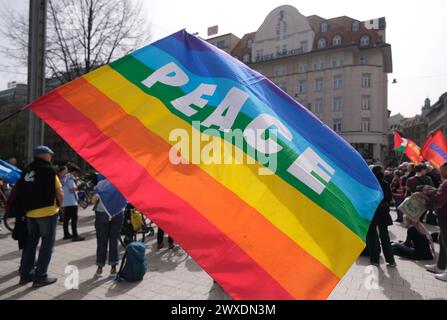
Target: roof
{"points": [[241, 48]]}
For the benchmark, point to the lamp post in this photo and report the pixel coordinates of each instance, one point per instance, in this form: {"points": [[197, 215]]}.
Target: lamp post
{"points": [[36, 70]]}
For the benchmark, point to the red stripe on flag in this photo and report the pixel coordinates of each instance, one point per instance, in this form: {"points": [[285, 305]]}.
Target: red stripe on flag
{"points": [[239, 276]]}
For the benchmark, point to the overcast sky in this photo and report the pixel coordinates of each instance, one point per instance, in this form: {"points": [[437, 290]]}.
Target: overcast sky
{"points": [[416, 30]]}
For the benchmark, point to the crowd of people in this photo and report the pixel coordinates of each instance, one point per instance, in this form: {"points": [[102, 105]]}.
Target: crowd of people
{"points": [[45, 195], [430, 185]]}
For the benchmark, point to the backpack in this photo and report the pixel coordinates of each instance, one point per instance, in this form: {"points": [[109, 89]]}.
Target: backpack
{"points": [[136, 220], [134, 263]]}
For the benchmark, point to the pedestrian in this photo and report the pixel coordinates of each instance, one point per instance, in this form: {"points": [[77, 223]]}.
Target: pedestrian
{"points": [[439, 201], [434, 175], [398, 189], [437, 179], [417, 182], [109, 216], [419, 179], [61, 171], [41, 193], [409, 171], [160, 237], [70, 205], [418, 245], [379, 225]]}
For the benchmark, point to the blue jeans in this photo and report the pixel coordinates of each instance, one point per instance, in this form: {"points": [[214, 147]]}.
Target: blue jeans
{"points": [[37, 228], [107, 236]]}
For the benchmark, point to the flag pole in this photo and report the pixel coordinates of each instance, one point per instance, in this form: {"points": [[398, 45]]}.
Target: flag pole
{"points": [[401, 157]]}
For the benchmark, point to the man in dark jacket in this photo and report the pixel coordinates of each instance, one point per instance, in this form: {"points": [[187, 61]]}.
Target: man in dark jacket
{"points": [[40, 194]]}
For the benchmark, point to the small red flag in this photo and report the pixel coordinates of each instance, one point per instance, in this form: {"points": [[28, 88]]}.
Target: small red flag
{"points": [[435, 149]]}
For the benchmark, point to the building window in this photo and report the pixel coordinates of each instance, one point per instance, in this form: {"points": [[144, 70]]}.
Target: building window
{"points": [[279, 71], [303, 45], [336, 40], [321, 43], [259, 54], [366, 80], [246, 58], [338, 82], [302, 68], [284, 30], [318, 64], [302, 88], [337, 104], [365, 124], [278, 51], [249, 43], [366, 102], [363, 61], [355, 26], [365, 40], [324, 27], [221, 44], [338, 61], [319, 105], [319, 84], [284, 49], [337, 125], [281, 30]]}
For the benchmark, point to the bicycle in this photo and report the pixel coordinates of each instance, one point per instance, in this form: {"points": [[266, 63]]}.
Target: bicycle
{"points": [[130, 232], [85, 193], [9, 222]]}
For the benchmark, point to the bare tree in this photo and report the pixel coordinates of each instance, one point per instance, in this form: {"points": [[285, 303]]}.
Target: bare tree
{"points": [[81, 34]]}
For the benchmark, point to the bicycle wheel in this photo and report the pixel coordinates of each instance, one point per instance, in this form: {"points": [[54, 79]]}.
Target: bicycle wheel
{"points": [[9, 223], [83, 204]]}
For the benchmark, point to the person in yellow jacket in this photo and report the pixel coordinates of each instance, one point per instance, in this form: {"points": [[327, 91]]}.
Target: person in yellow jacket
{"points": [[41, 192]]}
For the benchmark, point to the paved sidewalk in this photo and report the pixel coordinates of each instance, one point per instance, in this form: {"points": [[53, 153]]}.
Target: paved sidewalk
{"points": [[174, 275]]}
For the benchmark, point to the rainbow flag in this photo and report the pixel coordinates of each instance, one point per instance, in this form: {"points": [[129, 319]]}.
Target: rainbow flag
{"points": [[265, 197]]}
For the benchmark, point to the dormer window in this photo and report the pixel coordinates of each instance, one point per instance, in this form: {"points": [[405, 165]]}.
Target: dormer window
{"points": [[355, 26], [321, 43], [336, 40], [324, 27], [365, 40]]}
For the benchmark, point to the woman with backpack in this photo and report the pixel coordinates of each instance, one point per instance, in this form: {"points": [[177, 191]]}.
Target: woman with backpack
{"points": [[109, 216]]}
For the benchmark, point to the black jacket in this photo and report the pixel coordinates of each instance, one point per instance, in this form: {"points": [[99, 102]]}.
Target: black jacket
{"points": [[37, 185], [382, 215], [35, 189]]}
